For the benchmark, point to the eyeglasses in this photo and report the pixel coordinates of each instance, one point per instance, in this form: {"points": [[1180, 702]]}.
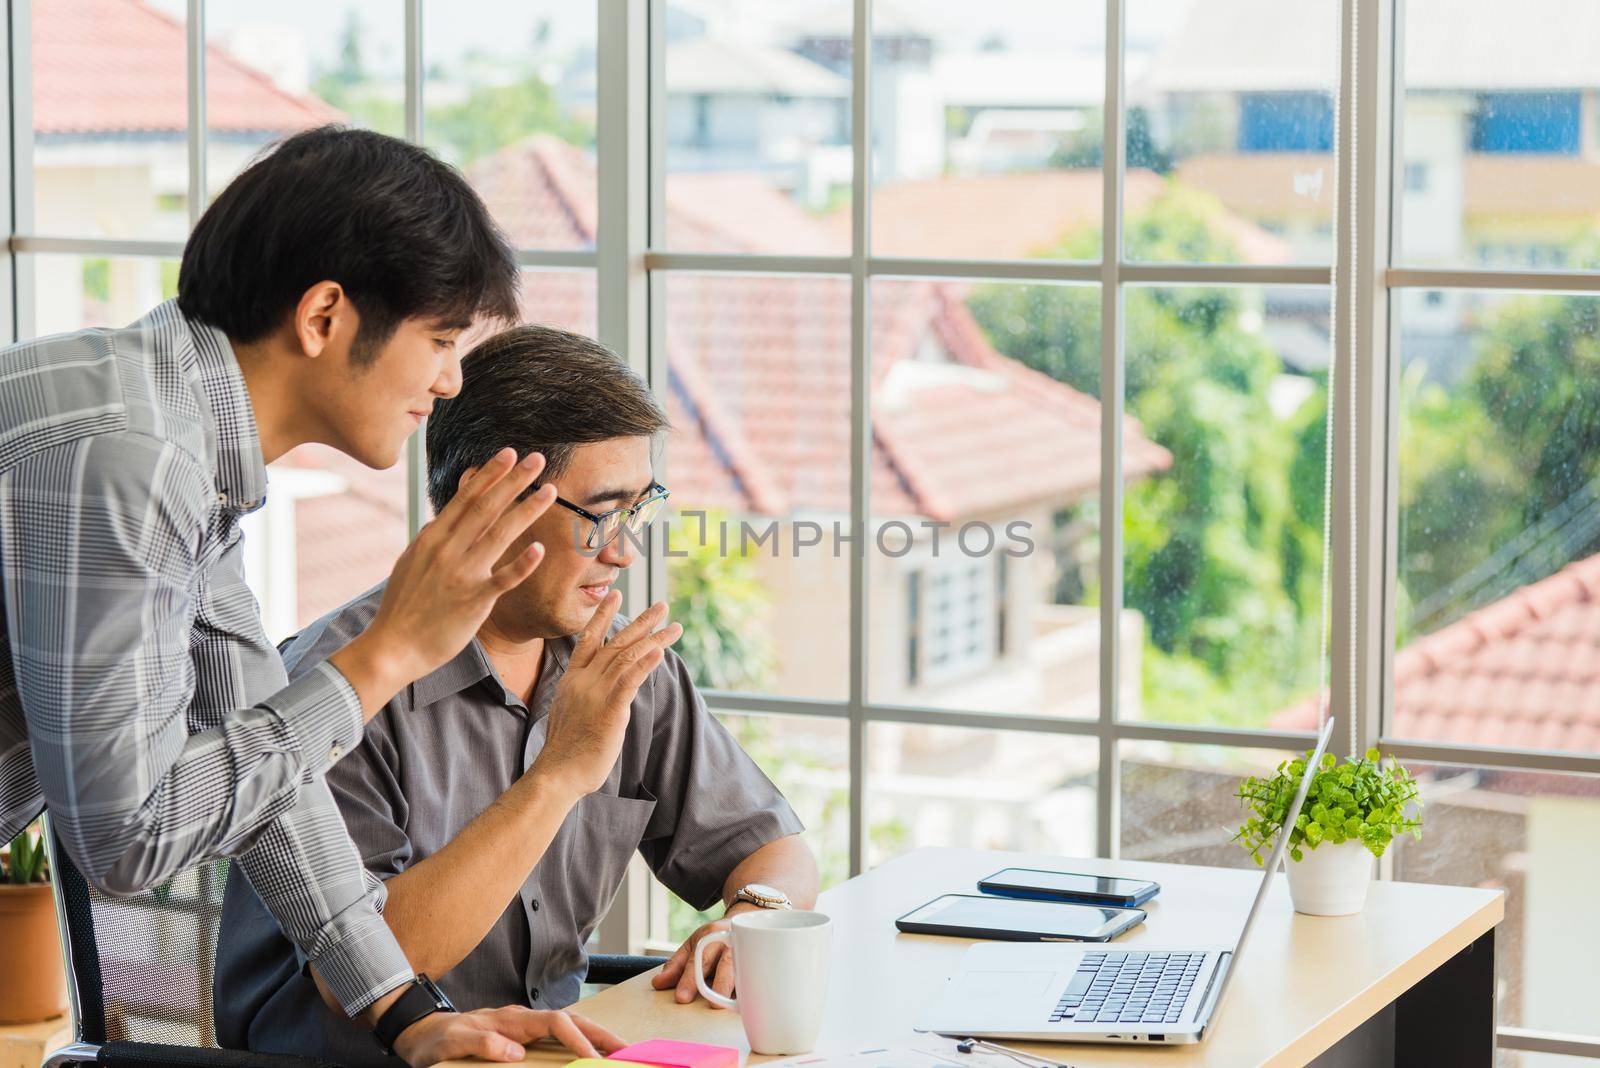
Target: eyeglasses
{"points": [[607, 525]]}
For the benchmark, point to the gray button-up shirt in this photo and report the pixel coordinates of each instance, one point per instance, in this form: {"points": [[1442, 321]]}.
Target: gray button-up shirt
{"points": [[139, 696], [682, 793]]}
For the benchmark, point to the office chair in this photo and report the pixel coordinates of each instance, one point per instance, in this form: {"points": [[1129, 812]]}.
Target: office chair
{"points": [[139, 971]]}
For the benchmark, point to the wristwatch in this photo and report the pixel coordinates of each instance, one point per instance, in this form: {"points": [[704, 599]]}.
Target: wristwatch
{"points": [[763, 896], [422, 998]]}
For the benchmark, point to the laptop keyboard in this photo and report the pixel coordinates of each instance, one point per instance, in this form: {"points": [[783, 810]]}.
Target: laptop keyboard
{"points": [[1125, 987]]}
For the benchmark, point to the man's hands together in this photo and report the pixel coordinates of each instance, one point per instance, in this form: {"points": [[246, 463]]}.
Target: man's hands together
{"points": [[589, 716], [499, 1035]]}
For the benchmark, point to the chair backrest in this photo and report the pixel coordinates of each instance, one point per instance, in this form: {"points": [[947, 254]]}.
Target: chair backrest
{"points": [[140, 966]]}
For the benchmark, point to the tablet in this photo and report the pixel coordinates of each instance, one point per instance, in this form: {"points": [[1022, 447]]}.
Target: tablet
{"points": [[1018, 919]]}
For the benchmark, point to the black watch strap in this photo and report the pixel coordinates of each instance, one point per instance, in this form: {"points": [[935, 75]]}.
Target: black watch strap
{"points": [[422, 998]]}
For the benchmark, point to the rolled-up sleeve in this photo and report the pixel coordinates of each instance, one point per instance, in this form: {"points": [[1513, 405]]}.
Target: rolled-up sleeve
{"points": [[714, 806]]}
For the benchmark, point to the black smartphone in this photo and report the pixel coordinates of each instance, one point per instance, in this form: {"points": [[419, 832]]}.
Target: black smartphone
{"points": [[1070, 886], [1015, 920]]}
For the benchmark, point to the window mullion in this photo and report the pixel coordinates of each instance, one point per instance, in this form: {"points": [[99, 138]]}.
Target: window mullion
{"points": [[1358, 388], [656, 369], [860, 416], [1113, 368], [1372, 487], [16, 170], [416, 455], [622, 144], [195, 52]]}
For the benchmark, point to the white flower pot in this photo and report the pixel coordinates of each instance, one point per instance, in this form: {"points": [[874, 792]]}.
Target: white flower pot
{"points": [[1332, 880]]}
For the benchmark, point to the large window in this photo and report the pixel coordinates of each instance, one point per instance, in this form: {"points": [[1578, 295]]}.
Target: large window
{"points": [[996, 341]]}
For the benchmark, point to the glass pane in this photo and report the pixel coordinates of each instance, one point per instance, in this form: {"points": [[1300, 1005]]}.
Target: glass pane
{"points": [[1178, 802], [989, 119], [509, 96], [1234, 126], [1223, 538], [110, 115], [1527, 833], [758, 128], [983, 576], [74, 291], [759, 467], [273, 71], [331, 529], [807, 758], [981, 789], [1499, 562], [1513, 1058], [1501, 136], [559, 298]]}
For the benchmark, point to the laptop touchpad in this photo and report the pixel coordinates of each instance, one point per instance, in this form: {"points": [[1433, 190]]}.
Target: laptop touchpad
{"points": [[1001, 988]]}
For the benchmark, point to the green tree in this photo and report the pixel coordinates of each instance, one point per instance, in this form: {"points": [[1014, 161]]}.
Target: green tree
{"points": [[490, 116], [1538, 377], [350, 87], [720, 602], [1222, 550], [493, 116], [1501, 468], [1086, 147]]}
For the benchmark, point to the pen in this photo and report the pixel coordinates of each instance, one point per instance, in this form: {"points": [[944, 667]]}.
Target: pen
{"points": [[966, 1045]]}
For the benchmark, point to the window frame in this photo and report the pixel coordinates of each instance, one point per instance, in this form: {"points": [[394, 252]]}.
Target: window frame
{"points": [[632, 263]]}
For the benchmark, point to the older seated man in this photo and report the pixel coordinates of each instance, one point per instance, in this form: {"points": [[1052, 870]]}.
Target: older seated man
{"points": [[501, 830]]}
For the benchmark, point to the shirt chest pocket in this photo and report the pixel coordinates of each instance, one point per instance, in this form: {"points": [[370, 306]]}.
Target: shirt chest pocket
{"points": [[592, 851]]}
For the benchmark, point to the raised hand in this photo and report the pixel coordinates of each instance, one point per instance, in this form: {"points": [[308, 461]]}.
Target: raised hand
{"points": [[447, 580], [590, 712]]}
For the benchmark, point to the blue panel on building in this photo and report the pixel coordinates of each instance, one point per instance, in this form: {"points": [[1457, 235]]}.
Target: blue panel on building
{"points": [[1286, 122], [1527, 122]]}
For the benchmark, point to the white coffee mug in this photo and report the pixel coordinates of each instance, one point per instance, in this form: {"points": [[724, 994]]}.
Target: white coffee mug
{"points": [[781, 959]]}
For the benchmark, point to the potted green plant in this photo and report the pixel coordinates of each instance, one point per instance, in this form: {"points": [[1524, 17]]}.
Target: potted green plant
{"points": [[33, 982], [1351, 813]]}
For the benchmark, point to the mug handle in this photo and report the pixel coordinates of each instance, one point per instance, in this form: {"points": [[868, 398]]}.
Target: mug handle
{"points": [[700, 969]]}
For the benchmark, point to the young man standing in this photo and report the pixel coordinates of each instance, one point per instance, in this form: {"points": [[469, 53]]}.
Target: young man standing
{"points": [[501, 823], [319, 300]]}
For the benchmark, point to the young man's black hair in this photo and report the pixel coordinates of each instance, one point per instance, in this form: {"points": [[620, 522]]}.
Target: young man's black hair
{"points": [[401, 231]]}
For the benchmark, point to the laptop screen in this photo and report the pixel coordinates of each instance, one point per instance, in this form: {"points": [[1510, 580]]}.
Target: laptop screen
{"points": [[1273, 861]]}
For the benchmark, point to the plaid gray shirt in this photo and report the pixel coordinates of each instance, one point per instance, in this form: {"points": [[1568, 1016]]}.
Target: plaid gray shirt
{"points": [[139, 696]]}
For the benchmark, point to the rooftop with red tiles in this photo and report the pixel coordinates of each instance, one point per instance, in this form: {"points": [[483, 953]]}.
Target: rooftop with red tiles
{"points": [[1521, 673], [118, 66], [759, 368]]}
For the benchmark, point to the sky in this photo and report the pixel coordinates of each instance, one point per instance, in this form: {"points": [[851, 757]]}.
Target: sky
{"points": [[450, 29], [506, 28]]}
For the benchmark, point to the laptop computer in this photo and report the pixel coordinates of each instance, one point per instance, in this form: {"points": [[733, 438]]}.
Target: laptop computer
{"points": [[1097, 993]]}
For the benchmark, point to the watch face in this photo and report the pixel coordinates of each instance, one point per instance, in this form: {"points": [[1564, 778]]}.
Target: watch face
{"points": [[766, 897]]}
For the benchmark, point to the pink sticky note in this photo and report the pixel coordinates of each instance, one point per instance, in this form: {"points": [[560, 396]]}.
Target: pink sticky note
{"points": [[665, 1053]]}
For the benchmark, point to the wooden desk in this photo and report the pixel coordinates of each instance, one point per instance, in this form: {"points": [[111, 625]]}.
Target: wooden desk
{"points": [[1410, 980]]}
